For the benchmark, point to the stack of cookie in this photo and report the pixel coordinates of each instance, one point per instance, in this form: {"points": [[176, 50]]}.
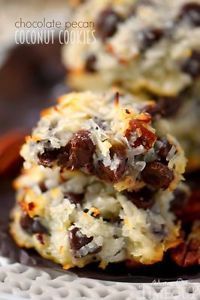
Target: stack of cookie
{"points": [[103, 168]]}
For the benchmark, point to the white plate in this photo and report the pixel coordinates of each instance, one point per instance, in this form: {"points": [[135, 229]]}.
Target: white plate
{"points": [[19, 282]]}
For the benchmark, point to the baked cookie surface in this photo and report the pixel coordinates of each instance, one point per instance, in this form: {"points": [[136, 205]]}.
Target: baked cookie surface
{"points": [[77, 219], [107, 135], [146, 47], [139, 45]]}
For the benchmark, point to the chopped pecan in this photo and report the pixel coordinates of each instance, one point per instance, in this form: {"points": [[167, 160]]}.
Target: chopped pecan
{"points": [[188, 252], [190, 211], [145, 137]]}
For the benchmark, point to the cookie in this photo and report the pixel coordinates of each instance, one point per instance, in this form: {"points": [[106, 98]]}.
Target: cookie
{"points": [[148, 45], [78, 219], [109, 136]]}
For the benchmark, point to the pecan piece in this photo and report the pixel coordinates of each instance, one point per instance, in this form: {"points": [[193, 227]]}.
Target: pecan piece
{"points": [[188, 252], [145, 137], [190, 209]]}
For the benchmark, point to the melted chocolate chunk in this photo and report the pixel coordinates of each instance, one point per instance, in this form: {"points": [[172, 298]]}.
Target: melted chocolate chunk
{"points": [[63, 157], [191, 65], [190, 12], [106, 23], [74, 198], [142, 199], [78, 153], [148, 37], [40, 238], [47, 158], [90, 63], [32, 225], [117, 152], [78, 240], [164, 150], [157, 175], [166, 107], [43, 187]]}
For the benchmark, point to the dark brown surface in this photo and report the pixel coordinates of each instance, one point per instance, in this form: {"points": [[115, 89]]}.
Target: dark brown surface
{"points": [[22, 96]]}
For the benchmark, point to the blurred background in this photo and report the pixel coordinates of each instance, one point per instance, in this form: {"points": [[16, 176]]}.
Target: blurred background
{"points": [[31, 76]]}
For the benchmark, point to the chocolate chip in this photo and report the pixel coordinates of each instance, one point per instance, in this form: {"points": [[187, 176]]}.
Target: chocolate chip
{"points": [[42, 187], [164, 150], [191, 65], [166, 107], [40, 238], [74, 198], [63, 157], [146, 138], [142, 199], [90, 63], [78, 153], [157, 175], [106, 23], [32, 225], [26, 223], [148, 37], [77, 239], [47, 158], [117, 152], [190, 12]]}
